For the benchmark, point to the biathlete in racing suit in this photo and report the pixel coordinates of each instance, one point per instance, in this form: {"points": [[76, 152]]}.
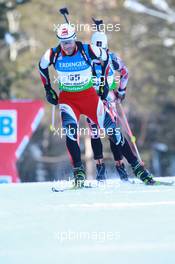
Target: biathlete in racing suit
{"points": [[72, 61], [114, 64]]}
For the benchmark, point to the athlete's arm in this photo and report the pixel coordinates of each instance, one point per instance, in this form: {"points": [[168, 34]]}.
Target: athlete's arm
{"points": [[44, 63], [43, 68], [119, 66]]}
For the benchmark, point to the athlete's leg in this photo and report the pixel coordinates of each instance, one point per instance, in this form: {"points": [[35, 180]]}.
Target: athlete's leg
{"points": [[70, 125], [97, 148]]}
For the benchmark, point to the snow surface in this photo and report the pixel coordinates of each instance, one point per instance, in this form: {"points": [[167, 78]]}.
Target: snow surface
{"points": [[119, 223]]}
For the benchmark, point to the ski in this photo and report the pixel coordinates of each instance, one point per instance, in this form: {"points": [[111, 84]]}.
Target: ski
{"points": [[90, 185], [156, 183], [163, 183], [128, 181], [71, 188]]}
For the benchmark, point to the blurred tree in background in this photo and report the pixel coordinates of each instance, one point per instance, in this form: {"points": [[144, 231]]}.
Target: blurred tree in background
{"points": [[147, 45]]}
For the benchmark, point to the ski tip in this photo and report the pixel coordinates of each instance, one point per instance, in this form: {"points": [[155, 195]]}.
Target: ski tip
{"points": [[56, 190]]}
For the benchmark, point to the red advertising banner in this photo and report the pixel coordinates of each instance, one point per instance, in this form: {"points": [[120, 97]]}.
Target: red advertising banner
{"points": [[18, 120]]}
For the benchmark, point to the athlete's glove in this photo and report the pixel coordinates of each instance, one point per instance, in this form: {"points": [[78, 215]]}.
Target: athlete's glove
{"points": [[120, 95], [51, 95]]}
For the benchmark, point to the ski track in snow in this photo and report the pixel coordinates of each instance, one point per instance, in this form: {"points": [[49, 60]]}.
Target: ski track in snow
{"points": [[119, 223]]}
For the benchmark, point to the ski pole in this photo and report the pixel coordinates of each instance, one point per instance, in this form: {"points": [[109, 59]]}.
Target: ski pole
{"points": [[132, 137], [97, 23], [52, 126], [64, 12]]}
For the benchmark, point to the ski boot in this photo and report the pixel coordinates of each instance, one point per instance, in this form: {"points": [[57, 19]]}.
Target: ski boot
{"points": [[101, 171], [121, 170], [79, 177], [143, 174]]}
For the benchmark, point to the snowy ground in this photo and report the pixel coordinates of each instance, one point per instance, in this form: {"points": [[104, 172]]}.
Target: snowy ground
{"points": [[132, 224]]}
